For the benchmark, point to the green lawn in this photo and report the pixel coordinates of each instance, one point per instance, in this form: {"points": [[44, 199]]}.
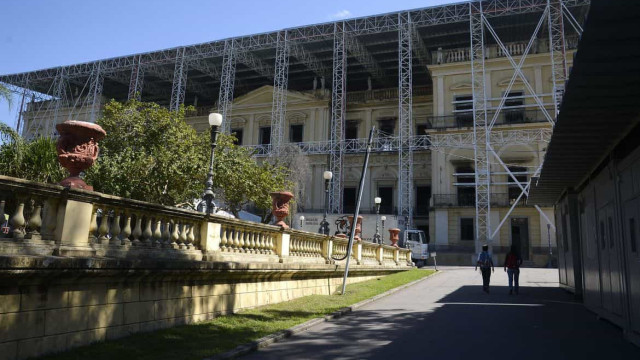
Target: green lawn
{"points": [[226, 332]]}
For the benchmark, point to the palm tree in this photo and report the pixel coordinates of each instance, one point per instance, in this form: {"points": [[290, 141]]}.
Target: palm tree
{"points": [[5, 93]]}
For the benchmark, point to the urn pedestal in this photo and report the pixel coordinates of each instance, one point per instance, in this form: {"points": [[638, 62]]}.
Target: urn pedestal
{"points": [[280, 206], [394, 236], [78, 149]]}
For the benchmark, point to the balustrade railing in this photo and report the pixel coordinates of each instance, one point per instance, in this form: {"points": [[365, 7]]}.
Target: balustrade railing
{"points": [[51, 220]]}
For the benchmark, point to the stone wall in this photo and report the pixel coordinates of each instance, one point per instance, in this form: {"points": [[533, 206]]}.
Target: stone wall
{"points": [[52, 304]]}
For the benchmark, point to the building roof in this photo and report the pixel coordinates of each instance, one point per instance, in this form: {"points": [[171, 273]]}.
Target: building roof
{"points": [[372, 52], [601, 103]]}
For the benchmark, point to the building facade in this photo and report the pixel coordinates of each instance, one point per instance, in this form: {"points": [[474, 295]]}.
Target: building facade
{"points": [[463, 97]]}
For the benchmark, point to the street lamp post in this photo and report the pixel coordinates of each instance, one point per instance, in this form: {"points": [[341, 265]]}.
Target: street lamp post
{"points": [[382, 219], [324, 225], [215, 120], [301, 221], [376, 237]]}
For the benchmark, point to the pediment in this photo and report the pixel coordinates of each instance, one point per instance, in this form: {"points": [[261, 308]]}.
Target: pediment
{"points": [[518, 81], [461, 86], [264, 96]]}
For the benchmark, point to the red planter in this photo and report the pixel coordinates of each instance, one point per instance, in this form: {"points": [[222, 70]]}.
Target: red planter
{"points": [[394, 236], [280, 206], [78, 149], [358, 227]]}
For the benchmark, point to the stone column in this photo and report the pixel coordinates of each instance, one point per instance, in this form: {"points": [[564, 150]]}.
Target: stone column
{"points": [[72, 229]]}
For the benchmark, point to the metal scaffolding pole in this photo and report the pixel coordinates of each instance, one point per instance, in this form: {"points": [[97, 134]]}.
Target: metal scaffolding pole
{"points": [[280, 82], [338, 113], [225, 96], [179, 84], [405, 115], [95, 92], [557, 51], [481, 137], [59, 96], [136, 83]]}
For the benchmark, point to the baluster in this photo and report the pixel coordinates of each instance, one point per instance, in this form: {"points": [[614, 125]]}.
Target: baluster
{"points": [[191, 237], [243, 243], [93, 226], [236, 241], [271, 244], [17, 220], [115, 229], [166, 234], [263, 244], [223, 238], [157, 233], [35, 221], [2, 205], [147, 233], [103, 230], [183, 236], [126, 231], [254, 246], [175, 236], [137, 231]]}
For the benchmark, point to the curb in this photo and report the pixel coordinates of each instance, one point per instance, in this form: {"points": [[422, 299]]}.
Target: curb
{"points": [[265, 341]]}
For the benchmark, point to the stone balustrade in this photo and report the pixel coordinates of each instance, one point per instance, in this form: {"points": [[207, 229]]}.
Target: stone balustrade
{"points": [[51, 220]]}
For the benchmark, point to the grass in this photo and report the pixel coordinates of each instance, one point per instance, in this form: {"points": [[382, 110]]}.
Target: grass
{"points": [[226, 332]]}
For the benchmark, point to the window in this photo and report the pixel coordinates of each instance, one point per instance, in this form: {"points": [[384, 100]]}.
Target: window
{"points": [[351, 130], [514, 108], [464, 110], [386, 194], [602, 241], [466, 193], [295, 133], [467, 231], [387, 126], [611, 238], [514, 189], [421, 129], [349, 199], [423, 196], [265, 135], [238, 134]]}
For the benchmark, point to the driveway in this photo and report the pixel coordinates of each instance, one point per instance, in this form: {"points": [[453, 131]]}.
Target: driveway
{"points": [[448, 316]]}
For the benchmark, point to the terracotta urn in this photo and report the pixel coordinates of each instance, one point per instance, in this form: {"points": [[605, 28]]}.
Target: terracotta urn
{"points": [[77, 149], [280, 206], [358, 227], [394, 236]]}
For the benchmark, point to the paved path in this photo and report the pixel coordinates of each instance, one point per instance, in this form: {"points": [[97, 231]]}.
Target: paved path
{"points": [[449, 317]]}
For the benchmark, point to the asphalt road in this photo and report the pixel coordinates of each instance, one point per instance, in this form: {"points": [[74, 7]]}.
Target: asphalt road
{"points": [[448, 316]]}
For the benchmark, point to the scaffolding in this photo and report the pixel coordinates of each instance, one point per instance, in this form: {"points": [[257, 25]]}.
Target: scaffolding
{"points": [[367, 48]]}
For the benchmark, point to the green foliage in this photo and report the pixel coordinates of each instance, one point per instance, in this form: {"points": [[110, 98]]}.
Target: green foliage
{"points": [[35, 160], [239, 180], [149, 154], [152, 154], [5, 94]]}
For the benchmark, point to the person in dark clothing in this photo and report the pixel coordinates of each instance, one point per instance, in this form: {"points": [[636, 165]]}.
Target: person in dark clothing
{"points": [[512, 263], [486, 267]]}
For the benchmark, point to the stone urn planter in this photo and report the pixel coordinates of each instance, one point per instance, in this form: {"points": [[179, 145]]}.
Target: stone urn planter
{"points": [[280, 206], [78, 149], [394, 236], [358, 227]]}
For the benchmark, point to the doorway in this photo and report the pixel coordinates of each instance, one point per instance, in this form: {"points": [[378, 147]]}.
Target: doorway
{"points": [[520, 236], [386, 194]]}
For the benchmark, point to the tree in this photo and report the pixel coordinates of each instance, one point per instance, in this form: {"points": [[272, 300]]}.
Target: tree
{"points": [[5, 93], [240, 180], [35, 160], [149, 154]]}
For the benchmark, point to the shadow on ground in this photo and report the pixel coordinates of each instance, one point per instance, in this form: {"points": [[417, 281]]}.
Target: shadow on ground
{"points": [[539, 323]]}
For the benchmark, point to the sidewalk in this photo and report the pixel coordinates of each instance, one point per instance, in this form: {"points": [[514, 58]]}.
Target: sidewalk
{"points": [[449, 317]]}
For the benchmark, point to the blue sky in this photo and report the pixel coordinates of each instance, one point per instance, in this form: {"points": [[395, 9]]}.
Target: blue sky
{"points": [[39, 34]]}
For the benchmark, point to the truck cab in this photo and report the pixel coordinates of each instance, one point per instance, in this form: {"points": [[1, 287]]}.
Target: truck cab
{"points": [[416, 241]]}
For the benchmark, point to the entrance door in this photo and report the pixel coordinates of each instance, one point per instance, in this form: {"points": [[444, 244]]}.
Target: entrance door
{"points": [[386, 194], [631, 231], [520, 236]]}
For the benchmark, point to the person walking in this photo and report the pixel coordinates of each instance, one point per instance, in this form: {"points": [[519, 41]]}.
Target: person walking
{"points": [[512, 263], [486, 267]]}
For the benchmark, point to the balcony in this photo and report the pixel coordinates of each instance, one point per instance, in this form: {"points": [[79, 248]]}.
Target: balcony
{"points": [[449, 56], [505, 117], [469, 200]]}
